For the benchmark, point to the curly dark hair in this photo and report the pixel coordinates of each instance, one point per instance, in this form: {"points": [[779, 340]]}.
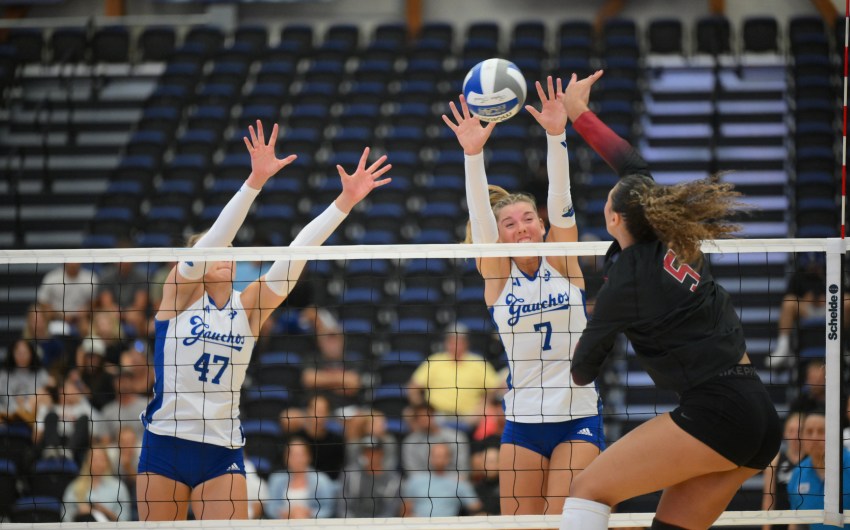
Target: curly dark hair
{"points": [[681, 215]]}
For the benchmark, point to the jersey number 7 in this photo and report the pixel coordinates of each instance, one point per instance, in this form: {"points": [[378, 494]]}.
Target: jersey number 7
{"points": [[682, 272]]}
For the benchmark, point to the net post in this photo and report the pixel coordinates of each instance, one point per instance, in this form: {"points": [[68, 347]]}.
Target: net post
{"points": [[832, 479]]}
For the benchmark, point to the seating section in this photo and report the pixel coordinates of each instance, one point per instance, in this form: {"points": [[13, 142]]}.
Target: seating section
{"points": [[116, 136]]}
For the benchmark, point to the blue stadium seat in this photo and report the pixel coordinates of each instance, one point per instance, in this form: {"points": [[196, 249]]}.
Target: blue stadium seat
{"points": [[36, 509], [186, 166], [147, 142], [154, 240], [301, 34], [228, 73], [51, 476], [28, 43], [265, 401], [390, 399], [276, 71], [256, 36], [69, 45], [378, 237], [309, 115], [713, 35], [361, 115], [267, 93], [760, 34], [157, 43], [111, 44], [210, 38], [396, 367], [216, 94], [264, 438]]}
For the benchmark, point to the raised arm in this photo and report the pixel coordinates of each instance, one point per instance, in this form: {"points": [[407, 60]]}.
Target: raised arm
{"points": [[616, 151], [559, 203], [472, 137], [273, 288], [183, 284]]}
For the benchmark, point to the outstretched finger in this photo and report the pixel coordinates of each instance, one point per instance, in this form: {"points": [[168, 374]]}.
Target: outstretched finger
{"points": [[379, 183], [260, 136], [560, 88], [551, 86], [490, 126], [594, 77], [381, 171], [464, 107], [342, 173], [248, 144], [273, 137], [377, 163], [254, 142], [288, 160], [450, 123], [534, 112], [455, 112], [540, 93], [362, 164]]}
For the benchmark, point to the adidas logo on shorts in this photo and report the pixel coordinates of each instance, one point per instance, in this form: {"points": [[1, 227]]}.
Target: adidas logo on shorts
{"points": [[585, 432], [234, 467]]}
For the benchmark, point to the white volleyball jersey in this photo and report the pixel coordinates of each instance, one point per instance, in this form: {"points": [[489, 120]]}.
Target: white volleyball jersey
{"points": [[200, 360], [540, 320]]}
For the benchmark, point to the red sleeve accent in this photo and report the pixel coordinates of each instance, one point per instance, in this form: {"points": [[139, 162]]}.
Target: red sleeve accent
{"points": [[616, 152]]}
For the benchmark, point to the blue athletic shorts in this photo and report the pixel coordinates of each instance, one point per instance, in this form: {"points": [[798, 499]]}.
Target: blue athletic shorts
{"points": [[191, 463], [543, 438]]}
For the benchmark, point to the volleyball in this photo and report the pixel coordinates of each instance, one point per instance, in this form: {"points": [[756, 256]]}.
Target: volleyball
{"points": [[494, 89]]}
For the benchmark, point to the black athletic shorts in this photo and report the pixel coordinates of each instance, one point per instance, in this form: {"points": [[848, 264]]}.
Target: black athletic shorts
{"points": [[733, 414]]}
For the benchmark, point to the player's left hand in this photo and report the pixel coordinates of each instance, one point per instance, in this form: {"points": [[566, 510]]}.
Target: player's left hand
{"points": [[552, 115], [264, 162], [356, 186]]}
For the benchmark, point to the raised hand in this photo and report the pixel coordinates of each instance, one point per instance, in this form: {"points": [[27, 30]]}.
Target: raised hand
{"points": [[470, 134], [552, 115], [357, 185], [264, 162], [576, 96]]}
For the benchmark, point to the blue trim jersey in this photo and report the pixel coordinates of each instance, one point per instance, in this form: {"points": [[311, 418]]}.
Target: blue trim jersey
{"points": [[200, 360], [540, 319]]}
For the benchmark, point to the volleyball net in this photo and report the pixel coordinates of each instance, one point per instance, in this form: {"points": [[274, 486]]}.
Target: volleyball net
{"points": [[383, 365]]}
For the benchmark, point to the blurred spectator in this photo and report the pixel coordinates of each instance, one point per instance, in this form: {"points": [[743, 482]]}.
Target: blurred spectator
{"points": [[805, 298], [126, 452], [37, 329], [91, 363], [425, 430], [97, 494], [493, 422], [107, 326], [369, 490], [328, 447], [300, 492], [68, 292], [455, 382], [439, 492], [370, 424], [129, 404], [292, 421], [485, 479], [777, 475], [124, 291], [805, 487], [813, 393], [67, 420], [21, 379], [331, 370], [258, 490], [135, 369]]}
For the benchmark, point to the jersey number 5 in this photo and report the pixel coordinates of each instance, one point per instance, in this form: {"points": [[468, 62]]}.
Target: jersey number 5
{"points": [[682, 272], [202, 366]]}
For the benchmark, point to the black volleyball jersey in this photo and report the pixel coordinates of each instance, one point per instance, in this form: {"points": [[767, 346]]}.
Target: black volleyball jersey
{"points": [[680, 322]]}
